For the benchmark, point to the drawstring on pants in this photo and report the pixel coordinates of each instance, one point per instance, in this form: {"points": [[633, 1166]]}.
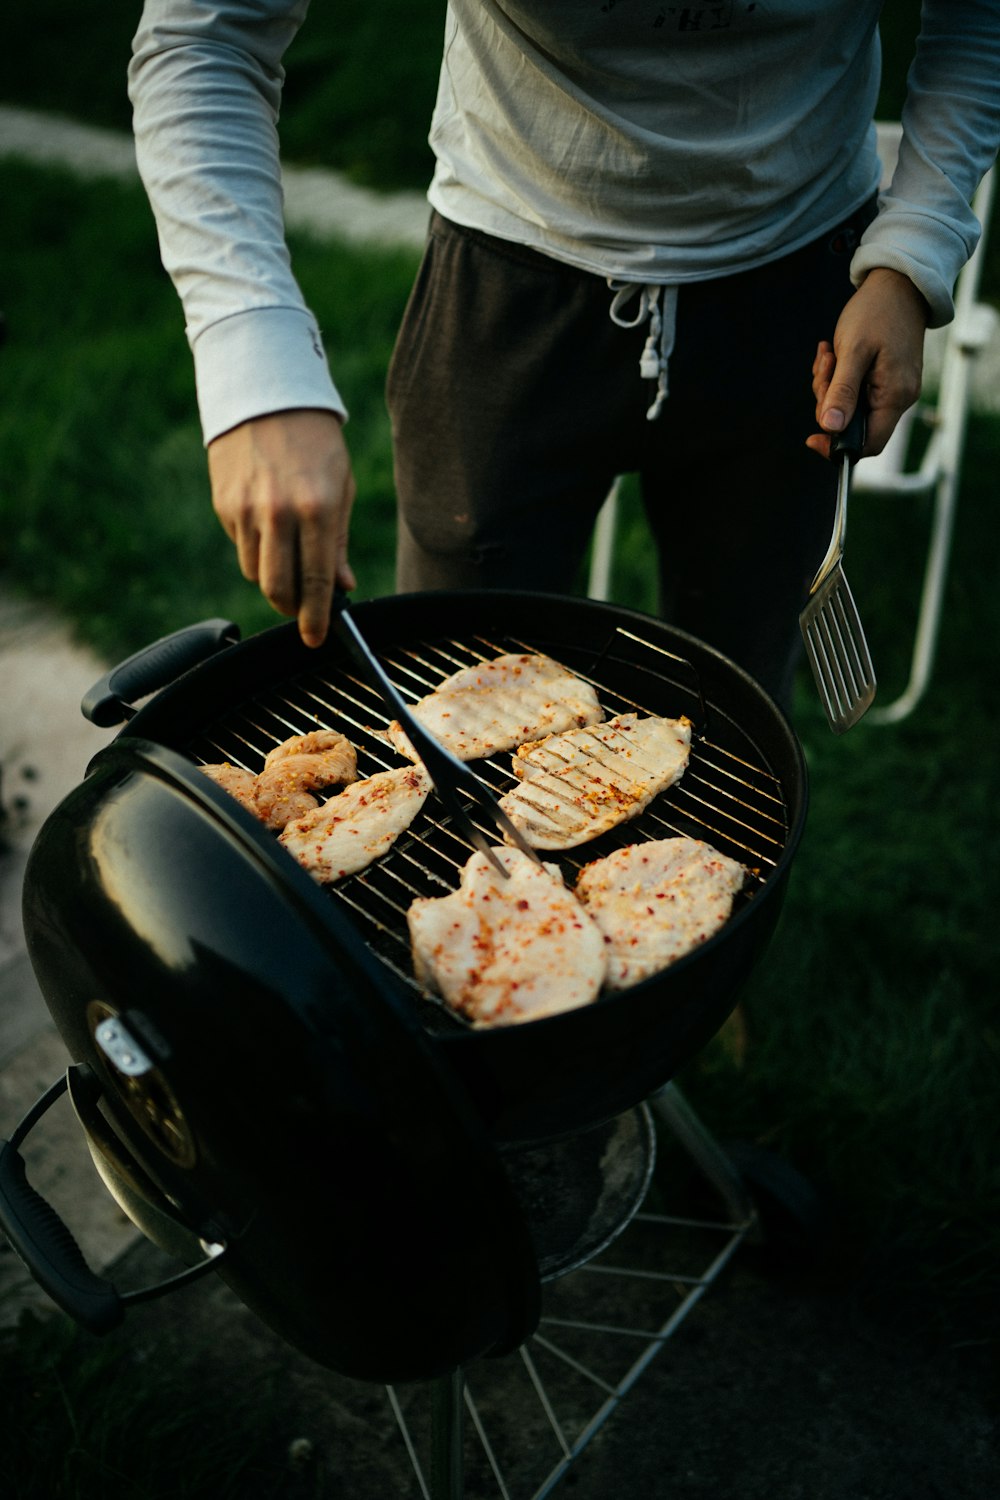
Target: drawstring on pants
{"points": [[659, 346]]}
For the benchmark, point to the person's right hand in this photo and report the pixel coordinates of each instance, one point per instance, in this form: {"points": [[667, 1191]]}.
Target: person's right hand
{"points": [[877, 352], [283, 489]]}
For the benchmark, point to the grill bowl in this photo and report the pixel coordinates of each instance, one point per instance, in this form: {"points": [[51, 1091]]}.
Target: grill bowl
{"points": [[744, 792]]}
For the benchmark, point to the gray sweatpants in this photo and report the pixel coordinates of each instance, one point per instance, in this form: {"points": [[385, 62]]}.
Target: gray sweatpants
{"points": [[515, 401]]}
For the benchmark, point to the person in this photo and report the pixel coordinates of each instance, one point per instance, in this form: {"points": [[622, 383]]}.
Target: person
{"points": [[655, 245]]}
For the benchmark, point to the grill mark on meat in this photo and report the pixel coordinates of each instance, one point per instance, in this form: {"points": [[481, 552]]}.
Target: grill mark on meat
{"points": [[496, 705], [560, 802]]}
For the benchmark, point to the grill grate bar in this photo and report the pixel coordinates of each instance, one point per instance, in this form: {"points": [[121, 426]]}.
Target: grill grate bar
{"points": [[719, 819], [724, 797], [729, 800], [769, 795], [712, 834]]}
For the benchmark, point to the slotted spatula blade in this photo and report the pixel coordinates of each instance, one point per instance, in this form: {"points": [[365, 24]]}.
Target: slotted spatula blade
{"points": [[831, 627]]}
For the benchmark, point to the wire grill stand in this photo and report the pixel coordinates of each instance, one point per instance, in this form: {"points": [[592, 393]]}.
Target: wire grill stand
{"points": [[459, 1425]]}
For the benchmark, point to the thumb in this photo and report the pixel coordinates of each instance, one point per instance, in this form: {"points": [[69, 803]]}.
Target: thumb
{"points": [[840, 399]]}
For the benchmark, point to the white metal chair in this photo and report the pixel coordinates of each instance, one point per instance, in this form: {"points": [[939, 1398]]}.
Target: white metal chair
{"points": [[937, 473]]}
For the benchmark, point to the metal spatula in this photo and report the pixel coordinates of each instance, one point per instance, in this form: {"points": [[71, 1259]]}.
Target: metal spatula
{"points": [[835, 641]]}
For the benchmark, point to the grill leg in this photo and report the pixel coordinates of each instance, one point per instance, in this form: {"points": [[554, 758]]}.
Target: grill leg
{"points": [[670, 1105], [447, 1431]]}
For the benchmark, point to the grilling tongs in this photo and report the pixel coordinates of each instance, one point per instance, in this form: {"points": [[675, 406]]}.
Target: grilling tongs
{"points": [[453, 781]]}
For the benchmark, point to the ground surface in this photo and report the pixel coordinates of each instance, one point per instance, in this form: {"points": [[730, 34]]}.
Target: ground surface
{"points": [[769, 1390]]}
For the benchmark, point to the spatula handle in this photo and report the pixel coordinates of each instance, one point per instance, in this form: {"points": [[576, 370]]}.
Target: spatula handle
{"points": [[845, 450], [850, 442]]}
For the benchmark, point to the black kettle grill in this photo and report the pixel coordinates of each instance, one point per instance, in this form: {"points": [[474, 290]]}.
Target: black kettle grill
{"points": [[261, 1081]]}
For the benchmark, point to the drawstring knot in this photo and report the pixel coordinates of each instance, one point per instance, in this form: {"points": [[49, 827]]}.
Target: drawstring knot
{"points": [[658, 304]]}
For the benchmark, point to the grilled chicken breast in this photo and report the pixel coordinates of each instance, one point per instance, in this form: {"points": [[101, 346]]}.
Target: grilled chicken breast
{"points": [[292, 771], [498, 704], [324, 757], [656, 901], [235, 780], [507, 950], [358, 825], [577, 785], [296, 768]]}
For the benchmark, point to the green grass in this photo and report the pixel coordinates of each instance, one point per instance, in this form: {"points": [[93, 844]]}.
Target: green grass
{"points": [[360, 90], [103, 487], [874, 1038], [93, 1423]]}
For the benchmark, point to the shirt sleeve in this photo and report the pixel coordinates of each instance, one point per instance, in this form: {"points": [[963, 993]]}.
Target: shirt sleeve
{"points": [[205, 84], [925, 226]]}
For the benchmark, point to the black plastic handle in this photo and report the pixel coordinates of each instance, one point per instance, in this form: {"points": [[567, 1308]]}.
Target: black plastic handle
{"points": [[850, 442], [47, 1247], [44, 1243], [109, 701]]}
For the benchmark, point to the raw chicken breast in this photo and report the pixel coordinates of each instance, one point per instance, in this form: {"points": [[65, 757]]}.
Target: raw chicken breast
{"points": [[498, 704], [577, 785], [358, 825], [504, 950], [656, 901]]}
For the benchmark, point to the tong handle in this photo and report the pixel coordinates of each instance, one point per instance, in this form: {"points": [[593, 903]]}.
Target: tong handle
{"points": [[448, 773], [435, 757]]}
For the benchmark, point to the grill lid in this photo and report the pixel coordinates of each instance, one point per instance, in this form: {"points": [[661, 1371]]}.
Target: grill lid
{"points": [[278, 1092]]}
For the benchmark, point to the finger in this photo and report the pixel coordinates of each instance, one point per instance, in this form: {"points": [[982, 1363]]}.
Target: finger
{"points": [[314, 610], [839, 400], [819, 444], [248, 551], [278, 566], [881, 424], [318, 570], [315, 594], [822, 371]]}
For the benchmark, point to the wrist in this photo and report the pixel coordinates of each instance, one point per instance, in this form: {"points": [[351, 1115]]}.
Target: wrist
{"points": [[886, 280]]}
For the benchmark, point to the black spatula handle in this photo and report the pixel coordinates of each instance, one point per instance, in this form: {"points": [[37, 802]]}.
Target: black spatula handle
{"points": [[849, 443]]}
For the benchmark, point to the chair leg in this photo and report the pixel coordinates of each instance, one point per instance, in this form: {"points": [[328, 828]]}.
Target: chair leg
{"points": [[603, 546]]}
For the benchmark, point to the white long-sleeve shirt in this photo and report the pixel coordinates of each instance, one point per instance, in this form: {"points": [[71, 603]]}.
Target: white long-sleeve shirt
{"points": [[635, 139]]}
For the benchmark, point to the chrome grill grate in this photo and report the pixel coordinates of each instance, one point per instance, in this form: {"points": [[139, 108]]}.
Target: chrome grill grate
{"points": [[728, 796]]}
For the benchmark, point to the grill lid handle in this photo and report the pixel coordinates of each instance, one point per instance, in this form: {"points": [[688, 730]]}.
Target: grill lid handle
{"points": [[46, 1245], [109, 701]]}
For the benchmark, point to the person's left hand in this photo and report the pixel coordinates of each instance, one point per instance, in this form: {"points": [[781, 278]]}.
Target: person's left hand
{"points": [[877, 349]]}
